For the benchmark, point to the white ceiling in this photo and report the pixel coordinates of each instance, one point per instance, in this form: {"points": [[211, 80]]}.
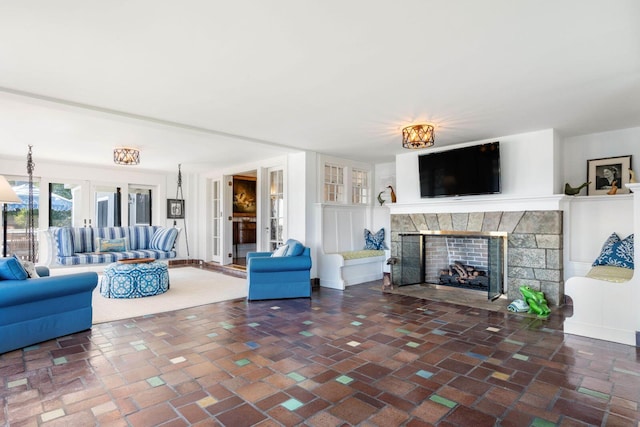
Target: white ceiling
{"points": [[212, 83]]}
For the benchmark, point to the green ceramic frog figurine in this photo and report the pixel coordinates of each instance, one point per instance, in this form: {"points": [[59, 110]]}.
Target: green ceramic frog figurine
{"points": [[536, 301]]}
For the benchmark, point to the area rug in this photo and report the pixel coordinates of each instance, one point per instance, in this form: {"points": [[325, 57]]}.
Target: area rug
{"points": [[189, 287]]}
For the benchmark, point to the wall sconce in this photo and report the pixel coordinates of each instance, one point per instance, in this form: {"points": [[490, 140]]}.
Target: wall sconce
{"points": [[418, 136], [126, 156]]}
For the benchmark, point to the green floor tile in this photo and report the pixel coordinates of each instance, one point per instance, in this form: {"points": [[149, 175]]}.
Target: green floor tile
{"points": [[296, 377], [539, 422], [343, 379], [306, 333], [242, 362], [60, 360], [155, 381], [443, 401], [292, 404]]}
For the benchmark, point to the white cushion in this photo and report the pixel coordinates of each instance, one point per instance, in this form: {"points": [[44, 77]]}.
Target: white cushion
{"points": [[280, 251]]}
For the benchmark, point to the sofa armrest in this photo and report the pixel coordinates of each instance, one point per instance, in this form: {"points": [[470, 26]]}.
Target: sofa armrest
{"points": [[15, 292], [270, 264], [258, 255], [42, 270]]}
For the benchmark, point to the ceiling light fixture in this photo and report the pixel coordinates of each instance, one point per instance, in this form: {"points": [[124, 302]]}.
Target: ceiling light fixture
{"points": [[126, 156], [417, 136]]}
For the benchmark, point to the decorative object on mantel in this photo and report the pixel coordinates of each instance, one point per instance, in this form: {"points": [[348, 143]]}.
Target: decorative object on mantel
{"points": [[418, 136], [632, 176], [126, 156], [380, 199], [393, 194], [572, 191], [607, 173]]}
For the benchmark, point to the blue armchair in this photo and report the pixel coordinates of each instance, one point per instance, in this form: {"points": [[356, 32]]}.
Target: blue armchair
{"points": [[287, 276]]}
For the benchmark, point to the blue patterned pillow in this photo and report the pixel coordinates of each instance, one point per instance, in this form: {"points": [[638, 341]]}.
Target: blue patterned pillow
{"points": [[616, 252], [374, 241]]}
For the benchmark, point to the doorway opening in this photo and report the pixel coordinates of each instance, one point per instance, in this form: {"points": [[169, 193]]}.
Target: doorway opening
{"points": [[244, 217]]}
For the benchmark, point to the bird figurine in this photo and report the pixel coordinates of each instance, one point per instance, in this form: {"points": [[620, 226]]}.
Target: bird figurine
{"points": [[380, 199], [572, 191], [614, 188], [632, 177], [393, 194]]}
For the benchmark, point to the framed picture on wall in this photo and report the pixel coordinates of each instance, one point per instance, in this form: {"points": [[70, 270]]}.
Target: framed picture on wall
{"points": [[175, 208], [608, 175], [244, 196]]}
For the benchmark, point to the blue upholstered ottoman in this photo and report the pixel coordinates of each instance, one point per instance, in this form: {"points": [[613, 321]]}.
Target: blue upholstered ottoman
{"points": [[134, 280]]}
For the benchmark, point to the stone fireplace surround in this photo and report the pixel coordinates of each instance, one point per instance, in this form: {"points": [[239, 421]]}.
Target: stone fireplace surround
{"points": [[534, 251]]}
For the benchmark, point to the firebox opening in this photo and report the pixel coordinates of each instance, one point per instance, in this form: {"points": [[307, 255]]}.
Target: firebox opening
{"points": [[462, 259]]}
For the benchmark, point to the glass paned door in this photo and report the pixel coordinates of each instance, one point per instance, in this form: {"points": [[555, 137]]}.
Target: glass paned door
{"points": [[107, 206], [276, 209], [216, 221], [139, 206]]}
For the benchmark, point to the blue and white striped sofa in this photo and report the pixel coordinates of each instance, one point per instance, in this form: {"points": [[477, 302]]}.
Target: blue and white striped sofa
{"points": [[78, 245]]}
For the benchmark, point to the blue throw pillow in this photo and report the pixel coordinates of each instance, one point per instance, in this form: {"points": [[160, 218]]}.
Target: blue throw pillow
{"points": [[295, 248], [616, 252], [374, 241], [11, 269]]}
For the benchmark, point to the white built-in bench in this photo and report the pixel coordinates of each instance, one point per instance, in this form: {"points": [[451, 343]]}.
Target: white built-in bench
{"points": [[603, 309], [341, 260], [352, 267]]}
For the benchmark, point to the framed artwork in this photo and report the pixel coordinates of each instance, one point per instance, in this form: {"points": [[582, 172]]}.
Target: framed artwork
{"points": [[608, 176], [244, 196], [175, 208]]}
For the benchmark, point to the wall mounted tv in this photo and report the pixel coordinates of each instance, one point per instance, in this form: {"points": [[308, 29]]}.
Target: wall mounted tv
{"points": [[463, 171]]}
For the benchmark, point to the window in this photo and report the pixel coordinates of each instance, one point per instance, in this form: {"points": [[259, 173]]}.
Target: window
{"points": [[61, 198], [18, 218], [359, 186], [333, 183]]}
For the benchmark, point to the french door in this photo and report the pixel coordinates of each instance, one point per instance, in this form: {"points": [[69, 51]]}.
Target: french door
{"points": [[275, 212], [216, 221]]}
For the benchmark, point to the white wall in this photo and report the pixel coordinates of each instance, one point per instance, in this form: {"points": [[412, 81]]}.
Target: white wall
{"points": [[527, 166], [577, 150]]}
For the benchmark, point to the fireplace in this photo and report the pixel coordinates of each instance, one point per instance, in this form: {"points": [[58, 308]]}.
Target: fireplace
{"points": [[534, 241], [461, 259]]}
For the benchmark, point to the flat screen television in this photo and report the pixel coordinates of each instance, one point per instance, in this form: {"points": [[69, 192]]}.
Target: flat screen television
{"points": [[463, 171]]}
